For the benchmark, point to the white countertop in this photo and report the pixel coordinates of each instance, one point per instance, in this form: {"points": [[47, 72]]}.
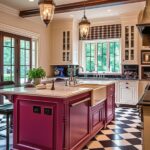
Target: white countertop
{"points": [[60, 91], [100, 82]]}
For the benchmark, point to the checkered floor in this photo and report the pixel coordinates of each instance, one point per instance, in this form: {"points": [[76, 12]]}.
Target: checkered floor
{"points": [[120, 134], [3, 132]]}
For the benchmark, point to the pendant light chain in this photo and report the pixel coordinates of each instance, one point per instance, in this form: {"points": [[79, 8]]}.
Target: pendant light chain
{"points": [[84, 8]]}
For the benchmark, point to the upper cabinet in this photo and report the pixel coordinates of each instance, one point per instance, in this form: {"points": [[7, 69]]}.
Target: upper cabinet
{"points": [[129, 43], [64, 43]]}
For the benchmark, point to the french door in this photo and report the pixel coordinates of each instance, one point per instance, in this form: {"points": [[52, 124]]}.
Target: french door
{"points": [[15, 58]]}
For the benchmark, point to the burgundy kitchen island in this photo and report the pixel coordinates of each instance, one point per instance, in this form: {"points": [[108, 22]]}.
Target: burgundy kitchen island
{"points": [[57, 120]]}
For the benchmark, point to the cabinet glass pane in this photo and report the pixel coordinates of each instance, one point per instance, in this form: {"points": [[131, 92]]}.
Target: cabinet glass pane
{"points": [[126, 54], [64, 40], [132, 36], [126, 37], [132, 54], [64, 56], [68, 40]]}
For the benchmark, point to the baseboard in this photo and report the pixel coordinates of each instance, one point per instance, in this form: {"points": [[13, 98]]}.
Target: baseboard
{"points": [[126, 105]]}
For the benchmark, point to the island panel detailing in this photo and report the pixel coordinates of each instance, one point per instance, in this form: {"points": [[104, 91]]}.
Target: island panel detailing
{"points": [[51, 123], [38, 123], [97, 117], [110, 104]]}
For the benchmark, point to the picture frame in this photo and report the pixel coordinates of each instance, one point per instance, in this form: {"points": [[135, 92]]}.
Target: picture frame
{"points": [[145, 57]]}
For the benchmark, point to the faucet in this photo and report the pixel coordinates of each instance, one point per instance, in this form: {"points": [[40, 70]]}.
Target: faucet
{"points": [[72, 78]]}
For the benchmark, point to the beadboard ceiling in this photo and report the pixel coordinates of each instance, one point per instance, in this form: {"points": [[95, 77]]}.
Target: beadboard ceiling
{"points": [[103, 12], [25, 4]]}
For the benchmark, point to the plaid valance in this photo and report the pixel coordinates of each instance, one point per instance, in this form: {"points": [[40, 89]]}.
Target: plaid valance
{"points": [[104, 32]]}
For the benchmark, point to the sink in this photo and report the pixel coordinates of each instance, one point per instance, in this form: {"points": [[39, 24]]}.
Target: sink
{"points": [[98, 92]]}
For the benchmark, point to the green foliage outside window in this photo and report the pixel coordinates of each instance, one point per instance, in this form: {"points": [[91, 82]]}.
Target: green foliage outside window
{"points": [[103, 56]]}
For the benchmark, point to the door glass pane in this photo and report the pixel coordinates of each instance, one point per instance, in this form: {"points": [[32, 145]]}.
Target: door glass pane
{"points": [[25, 55], [8, 73], [8, 59], [22, 57], [7, 56], [27, 45], [22, 44], [7, 41]]}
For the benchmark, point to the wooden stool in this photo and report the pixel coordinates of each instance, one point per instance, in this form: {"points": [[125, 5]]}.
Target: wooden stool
{"points": [[7, 109]]}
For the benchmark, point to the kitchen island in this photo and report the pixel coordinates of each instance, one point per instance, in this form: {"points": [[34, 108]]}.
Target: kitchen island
{"points": [[63, 119], [145, 117]]}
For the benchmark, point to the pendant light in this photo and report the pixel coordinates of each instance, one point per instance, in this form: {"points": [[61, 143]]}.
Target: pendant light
{"points": [[84, 26], [47, 8]]}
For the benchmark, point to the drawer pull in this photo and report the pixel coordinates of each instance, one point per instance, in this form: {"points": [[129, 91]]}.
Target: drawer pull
{"points": [[77, 103], [127, 83], [127, 87]]}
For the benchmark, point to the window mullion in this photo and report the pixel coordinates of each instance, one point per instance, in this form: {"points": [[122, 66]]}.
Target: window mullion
{"points": [[96, 55], [108, 57]]}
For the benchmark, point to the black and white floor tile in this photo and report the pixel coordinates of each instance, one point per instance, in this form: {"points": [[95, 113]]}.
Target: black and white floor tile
{"points": [[120, 134], [3, 133]]}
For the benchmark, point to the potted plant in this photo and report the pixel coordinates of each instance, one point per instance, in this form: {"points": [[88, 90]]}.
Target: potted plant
{"points": [[36, 74]]}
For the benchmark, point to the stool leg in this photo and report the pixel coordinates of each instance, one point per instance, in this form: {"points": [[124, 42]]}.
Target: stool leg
{"points": [[7, 132]]}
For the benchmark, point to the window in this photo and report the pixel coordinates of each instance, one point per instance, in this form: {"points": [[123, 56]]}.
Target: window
{"points": [[17, 55], [102, 56]]}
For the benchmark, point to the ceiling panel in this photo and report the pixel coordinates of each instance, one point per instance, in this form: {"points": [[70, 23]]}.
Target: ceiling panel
{"points": [[25, 4], [104, 12]]}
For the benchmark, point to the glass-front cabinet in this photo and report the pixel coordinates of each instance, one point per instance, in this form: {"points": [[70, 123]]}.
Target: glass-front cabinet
{"points": [[129, 44], [66, 54]]}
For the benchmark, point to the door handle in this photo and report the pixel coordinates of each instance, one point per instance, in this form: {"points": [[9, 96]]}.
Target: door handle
{"points": [[82, 101]]}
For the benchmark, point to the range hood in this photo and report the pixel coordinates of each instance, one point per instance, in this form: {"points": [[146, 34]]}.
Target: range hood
{"points": [[144, 24]]}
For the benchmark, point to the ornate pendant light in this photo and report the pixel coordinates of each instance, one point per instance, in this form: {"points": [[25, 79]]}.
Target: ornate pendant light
{"points": [[47, 8], [84, 26]]}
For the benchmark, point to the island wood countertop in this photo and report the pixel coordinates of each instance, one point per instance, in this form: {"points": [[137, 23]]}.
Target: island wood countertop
{"points": [[61, 91]]}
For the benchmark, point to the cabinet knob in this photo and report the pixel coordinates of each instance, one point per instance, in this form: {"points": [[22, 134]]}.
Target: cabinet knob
{"points": [[127, 83], [127, 87]]}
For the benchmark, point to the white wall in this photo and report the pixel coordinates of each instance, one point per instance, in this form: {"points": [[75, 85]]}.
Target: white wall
{"points": [[14, 22]]}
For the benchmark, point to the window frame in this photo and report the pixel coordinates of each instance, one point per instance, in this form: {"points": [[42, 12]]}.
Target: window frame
{"points": [[17, 49], [83, 56]]}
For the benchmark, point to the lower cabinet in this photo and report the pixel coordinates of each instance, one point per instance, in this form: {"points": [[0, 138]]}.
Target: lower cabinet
{"points": [[37, 124], [79, 121], [59, 124], [97, 114], [110, 104], [127, 92]]}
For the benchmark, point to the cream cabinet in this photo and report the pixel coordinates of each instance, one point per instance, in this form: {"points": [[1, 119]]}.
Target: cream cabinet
{"points": [[127, 92], [129, 43], [64, 43]]}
